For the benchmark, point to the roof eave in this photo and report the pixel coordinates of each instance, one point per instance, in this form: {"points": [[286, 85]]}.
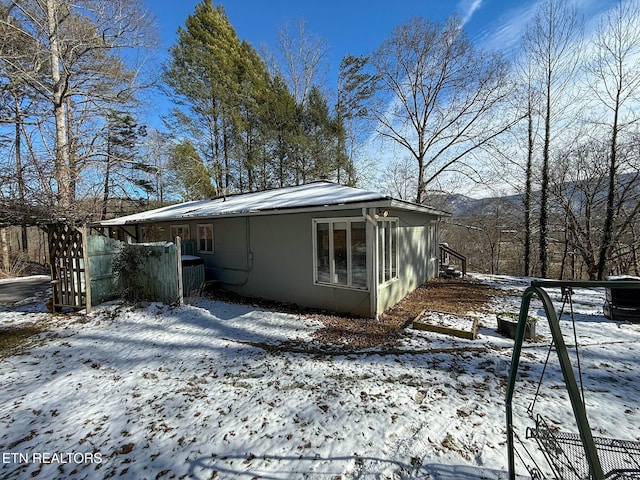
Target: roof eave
{"points": [[415, 207], [378, 203]]}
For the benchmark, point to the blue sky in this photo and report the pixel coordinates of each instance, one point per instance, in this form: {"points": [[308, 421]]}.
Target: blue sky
{"points": [[360, 26], [348, 26]]}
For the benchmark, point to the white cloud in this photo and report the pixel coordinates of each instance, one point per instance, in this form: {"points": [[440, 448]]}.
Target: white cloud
{"points": [[505, 33], [467, 8]]}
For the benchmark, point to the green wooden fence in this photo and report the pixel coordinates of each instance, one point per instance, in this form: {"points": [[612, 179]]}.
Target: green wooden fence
{"points": [[100, 251], [158, 279]]}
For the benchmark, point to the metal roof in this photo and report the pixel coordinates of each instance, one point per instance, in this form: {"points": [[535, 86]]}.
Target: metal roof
{"points": [[308, 197]]}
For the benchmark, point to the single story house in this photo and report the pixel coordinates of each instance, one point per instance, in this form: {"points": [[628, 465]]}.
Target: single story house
{"points": [[318, 245]]}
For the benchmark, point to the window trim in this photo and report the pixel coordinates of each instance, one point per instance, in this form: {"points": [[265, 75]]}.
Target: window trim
{"points": [[213, 243], [331, 221], [396, 258]]}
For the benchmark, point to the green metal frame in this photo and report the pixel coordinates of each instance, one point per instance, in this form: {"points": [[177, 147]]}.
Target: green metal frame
{"points": [[537, 288]]}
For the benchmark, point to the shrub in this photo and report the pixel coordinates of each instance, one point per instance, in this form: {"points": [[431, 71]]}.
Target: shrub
{"points": [[128, 269]]}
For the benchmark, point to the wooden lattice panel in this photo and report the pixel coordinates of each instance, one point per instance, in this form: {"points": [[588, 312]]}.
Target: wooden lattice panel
{"points": [[67, 266]]}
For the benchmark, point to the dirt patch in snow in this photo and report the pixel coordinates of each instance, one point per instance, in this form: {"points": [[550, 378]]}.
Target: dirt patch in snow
{"points": [[13, 339], [359, 333], [453, 296]]}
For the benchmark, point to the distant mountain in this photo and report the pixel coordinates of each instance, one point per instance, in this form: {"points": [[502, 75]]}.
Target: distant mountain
{"points": [[462, 206]]}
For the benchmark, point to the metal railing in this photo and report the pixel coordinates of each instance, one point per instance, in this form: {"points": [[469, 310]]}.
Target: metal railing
{"points": [[446, 252]]}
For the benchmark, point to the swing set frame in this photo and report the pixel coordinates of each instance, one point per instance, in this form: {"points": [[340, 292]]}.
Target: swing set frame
{"points": [[586, 438]]}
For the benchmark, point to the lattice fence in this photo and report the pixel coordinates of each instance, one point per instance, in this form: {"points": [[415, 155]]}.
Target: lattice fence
{"points": [[68, 267], [82, 264]]}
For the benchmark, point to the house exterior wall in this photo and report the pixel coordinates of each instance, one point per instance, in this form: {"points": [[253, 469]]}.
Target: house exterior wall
{"points": [[283, 266], [272, 257], [418, 257]]}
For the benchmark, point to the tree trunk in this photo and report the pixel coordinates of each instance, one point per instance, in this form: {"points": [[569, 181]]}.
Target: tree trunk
{"points": [[527, 196], [4, 247], [19, 173], [607, 234], [62, 147], [107, 174], [634, 252], [72, 157], [420, 193], [565, 250], [544, 188]]}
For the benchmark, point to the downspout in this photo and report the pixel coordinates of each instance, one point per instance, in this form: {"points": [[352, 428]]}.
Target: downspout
{"points": [[435, 253], [372, 259]]}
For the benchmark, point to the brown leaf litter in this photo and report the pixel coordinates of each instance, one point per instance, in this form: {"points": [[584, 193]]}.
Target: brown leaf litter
{"points": [[455, 296]]}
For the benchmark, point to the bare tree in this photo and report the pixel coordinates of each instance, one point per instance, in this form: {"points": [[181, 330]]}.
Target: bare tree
{"points": [[80, 45], [303, 59], [531, 99], [583, 200], [17, 105], [488, 235], [616, 86], [158, 149], [439, 96], [551, 43], [398, 179]]}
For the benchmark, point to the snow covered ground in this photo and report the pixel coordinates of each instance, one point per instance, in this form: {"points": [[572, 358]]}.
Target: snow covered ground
{"points": [[216, 390]]}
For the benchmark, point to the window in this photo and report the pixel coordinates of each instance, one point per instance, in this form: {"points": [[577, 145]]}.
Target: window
{"points": [[205, 238], [387, 250], [181, 231], [340, 252], [151, 233]]}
